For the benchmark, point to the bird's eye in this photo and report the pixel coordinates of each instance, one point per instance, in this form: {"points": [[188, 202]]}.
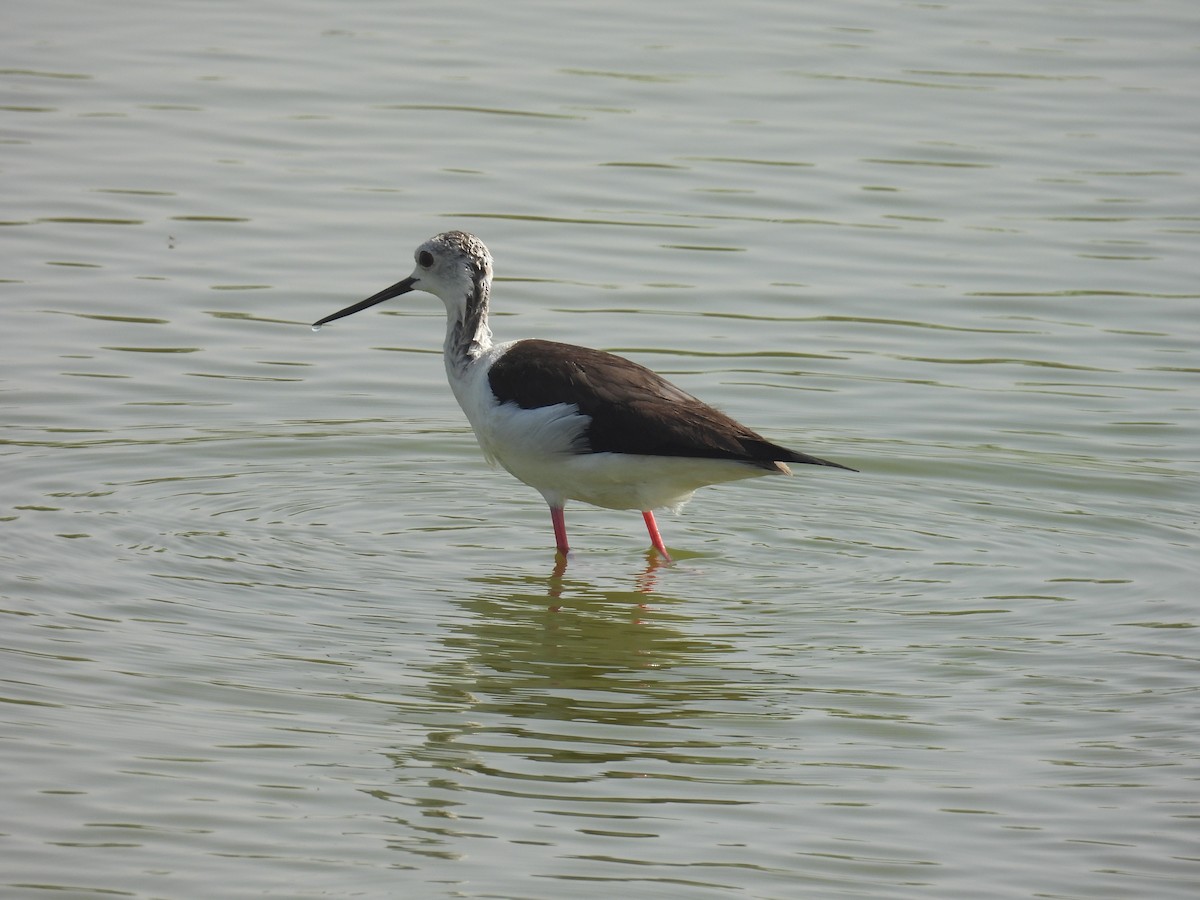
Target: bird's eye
{"points": [[424, 259]]}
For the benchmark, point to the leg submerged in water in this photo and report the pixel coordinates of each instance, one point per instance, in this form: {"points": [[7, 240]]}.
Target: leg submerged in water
{"points": [[655, 538]]}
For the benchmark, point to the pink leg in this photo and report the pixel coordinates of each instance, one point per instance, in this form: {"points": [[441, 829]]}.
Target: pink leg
{"points": [[655, 537], [560, 529]]}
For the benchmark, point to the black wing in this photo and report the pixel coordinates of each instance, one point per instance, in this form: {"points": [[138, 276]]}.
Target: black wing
{"points": [[632, 410]]}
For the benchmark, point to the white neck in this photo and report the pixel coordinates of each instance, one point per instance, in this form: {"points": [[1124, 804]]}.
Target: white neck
{"points": [[468, 335]]}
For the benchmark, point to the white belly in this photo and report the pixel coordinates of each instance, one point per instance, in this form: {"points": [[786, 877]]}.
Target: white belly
{"points": [[547, 450], [542, 447], [626, 481]]}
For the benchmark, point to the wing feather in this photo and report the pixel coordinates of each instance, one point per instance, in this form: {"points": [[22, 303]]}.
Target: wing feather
{"points": [[632, 409]]}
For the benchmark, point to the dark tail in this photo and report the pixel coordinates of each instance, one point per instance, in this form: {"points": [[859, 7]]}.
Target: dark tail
{"points": [[794, 457], [768, 453]]}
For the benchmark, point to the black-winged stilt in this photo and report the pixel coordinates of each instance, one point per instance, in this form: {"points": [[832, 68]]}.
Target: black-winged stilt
{"points": [[575, 423]]}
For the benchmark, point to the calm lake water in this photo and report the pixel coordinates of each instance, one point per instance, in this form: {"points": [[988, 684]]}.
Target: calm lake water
{"points": [[273, 628]]}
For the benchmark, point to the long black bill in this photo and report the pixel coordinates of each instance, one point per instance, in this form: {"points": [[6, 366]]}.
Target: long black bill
{"points": [[400, 287]]}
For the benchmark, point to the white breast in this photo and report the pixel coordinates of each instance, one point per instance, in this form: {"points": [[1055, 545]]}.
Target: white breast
{"points": [[546, 448]]}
